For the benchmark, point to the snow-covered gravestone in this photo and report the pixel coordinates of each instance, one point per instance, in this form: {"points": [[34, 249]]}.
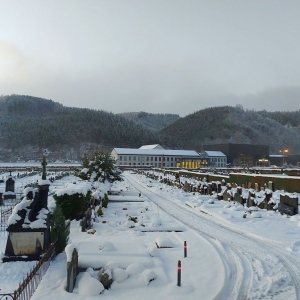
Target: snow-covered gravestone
{"points": [[29, 224]]}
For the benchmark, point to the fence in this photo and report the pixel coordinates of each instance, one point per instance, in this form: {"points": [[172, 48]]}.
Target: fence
{"points": [[30, 283], [6, 210]]}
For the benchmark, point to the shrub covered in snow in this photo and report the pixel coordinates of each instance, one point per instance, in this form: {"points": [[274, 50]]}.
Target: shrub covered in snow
{"points": [[134, 269], [73, 201], [107, 246], [148, 276], [119, 275], [88, 286]]}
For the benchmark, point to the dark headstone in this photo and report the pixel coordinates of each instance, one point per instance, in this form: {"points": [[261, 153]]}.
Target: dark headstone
{"points": [[26, 242], [285, 209]]}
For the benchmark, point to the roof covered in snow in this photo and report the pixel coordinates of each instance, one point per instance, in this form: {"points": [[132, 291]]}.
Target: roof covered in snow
{"points": [[215, 153], [156, 146], [130, 151]]}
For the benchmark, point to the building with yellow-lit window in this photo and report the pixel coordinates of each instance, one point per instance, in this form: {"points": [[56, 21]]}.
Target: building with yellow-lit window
{"points": [[157, 156]]}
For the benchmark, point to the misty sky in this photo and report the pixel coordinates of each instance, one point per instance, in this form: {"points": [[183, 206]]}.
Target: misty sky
{"points": [[160, 56]]}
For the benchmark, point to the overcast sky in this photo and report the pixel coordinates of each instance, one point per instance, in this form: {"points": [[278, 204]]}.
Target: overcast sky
{"points": [[160, 56]]}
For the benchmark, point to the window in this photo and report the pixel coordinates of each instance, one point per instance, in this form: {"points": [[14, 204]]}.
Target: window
{"points": [[159, 158], [151, 158], [155, 158], [147, 159], [134, 158], [129, 157], [125, 157], [171, 158], [167, 158], [120, 157]]}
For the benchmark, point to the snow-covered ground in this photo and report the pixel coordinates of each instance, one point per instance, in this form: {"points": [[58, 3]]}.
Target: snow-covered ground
{"points": [[228, 256]]}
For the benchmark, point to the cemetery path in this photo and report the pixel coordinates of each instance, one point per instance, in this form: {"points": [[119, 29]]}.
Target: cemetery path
{"points": [[255, 268]]}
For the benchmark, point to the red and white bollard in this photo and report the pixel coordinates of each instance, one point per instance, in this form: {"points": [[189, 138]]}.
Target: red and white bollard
{"points": [[179, 274], [185, 249]]}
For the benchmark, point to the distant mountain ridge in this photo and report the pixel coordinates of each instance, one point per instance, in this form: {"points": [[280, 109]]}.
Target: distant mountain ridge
{"points": [[151, 121], [228, 124], [29, 124]]}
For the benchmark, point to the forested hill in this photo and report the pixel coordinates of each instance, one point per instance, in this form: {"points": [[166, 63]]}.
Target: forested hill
{"points": [[287, 118], [228, 124], [153, 122], [29, 123]]}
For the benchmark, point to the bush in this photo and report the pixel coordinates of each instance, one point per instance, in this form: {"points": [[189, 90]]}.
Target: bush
{"points": [[58, 229], [105, 201], [73, 206], [99, 211]]}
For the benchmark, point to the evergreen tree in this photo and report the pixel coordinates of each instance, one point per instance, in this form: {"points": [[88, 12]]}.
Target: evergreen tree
{"points": [[58, 229], [100, 167]]}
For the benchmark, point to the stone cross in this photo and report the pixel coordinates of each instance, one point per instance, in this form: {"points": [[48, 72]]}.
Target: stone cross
{"points": [[44, 164]]}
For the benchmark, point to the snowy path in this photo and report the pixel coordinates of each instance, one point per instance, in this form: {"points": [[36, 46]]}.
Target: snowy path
{"points": [[256, 268]]}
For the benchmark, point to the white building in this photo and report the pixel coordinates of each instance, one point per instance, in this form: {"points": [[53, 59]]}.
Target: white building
{"points": [[156, 156], [217, 159]]}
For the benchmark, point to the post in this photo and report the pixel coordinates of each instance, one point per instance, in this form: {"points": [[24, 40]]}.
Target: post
{"points": [[179, 274], [44, 163], [185, 249]]}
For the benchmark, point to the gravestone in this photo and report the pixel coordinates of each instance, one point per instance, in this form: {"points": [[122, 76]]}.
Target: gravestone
{"points": [[9, 188], [227, 195], [209, 189], [285, 209], [271, 185], [72, 271], [289, 201], [249, 185], [237, 196], [29, 225], [256, 187]]}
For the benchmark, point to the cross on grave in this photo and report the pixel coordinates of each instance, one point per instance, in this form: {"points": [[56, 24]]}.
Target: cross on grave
{"points": [[44, 164]]}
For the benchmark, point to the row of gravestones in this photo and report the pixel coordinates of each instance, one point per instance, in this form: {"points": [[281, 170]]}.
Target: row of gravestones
{"points": [[203, 188], [288, 203]]}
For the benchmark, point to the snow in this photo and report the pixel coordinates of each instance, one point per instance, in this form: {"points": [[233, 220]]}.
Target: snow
{"points": [[88, 286], [229, 257], [148, 275], [74, 188], [119, 275]]}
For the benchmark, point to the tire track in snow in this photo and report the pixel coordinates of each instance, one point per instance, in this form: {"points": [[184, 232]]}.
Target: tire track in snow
{"points": [[236, 286]]}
